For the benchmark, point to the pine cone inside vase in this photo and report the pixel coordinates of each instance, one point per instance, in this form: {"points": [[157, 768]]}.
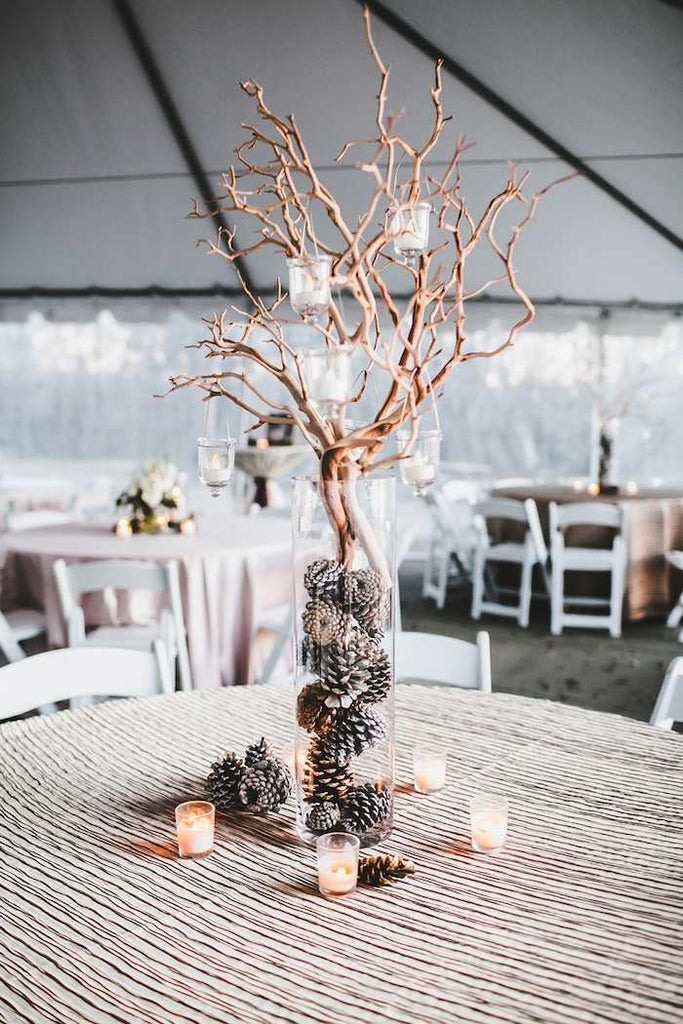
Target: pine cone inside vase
{"points": [[265, 787], [324, 622], [324, 780], [323, 817], [222, 785], [323, 579], [352, 730], [257, 752], [383, 868], [366, 599], [312, 713], [364, 806], [347, 668], [378, 677]]}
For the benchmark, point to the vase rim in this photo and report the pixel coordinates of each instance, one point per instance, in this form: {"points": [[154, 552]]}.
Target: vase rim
{"points": [[313, 478]]}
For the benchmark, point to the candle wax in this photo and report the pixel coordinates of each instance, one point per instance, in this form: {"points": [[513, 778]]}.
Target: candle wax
{"points": [[429, 777], [489, 830], [328, 388], [195, 836], [337, 873], [416, 471]]}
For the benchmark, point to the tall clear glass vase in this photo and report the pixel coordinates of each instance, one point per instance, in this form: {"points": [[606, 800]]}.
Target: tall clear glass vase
{"points": [[344, 583]]}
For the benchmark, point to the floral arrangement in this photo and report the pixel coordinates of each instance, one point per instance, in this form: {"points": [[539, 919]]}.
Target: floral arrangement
{"points": [[154, 502]]}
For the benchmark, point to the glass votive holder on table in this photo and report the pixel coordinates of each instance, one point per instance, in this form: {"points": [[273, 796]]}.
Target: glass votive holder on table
{"points": [[489, 822], [337, 863], [429, 769], [215, 462], [195, 824]]}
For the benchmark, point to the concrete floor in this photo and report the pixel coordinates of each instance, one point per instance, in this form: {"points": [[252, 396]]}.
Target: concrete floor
{"points": [[582, 667]]}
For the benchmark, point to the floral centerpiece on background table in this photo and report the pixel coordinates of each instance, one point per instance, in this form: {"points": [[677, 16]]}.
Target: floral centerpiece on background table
{"points": [[154, 502]]}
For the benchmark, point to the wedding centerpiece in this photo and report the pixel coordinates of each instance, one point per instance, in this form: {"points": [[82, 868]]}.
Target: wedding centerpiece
{"points": [[154, 502], [402, 324]]}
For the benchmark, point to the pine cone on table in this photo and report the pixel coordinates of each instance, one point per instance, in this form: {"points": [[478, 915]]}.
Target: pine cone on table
{"points": [[324, 780], [222, 785], [324, 621], [312, 713], [363, 807], [352, 730], [323, 817], [265, 787], [383, 868], [257, 752], [322, 579]]}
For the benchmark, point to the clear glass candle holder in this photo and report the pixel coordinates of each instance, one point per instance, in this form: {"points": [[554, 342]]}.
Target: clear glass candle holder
{"points": [[337, 863], [420, 465], [408, 227], [489, 822], [309, 285], [429, 769], [327, 373], [215, 462], [195, 823]]}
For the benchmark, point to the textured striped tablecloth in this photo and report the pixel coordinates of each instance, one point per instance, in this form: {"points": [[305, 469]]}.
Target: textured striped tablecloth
{"points": [[578, 920]]}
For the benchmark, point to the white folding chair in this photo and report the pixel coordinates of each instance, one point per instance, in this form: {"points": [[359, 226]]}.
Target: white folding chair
{"points": [[16, 627], [676, 613], [669, 705], [444, 660], [565, 558], [528, 553], [87, 577], [452, 541], [72, 675]]}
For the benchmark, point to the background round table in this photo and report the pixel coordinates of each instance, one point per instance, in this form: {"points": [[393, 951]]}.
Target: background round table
{"points": [[577, 920], [653, 526], [232, 571]]}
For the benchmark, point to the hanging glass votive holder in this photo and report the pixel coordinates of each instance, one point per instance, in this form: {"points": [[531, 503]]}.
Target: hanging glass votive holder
{"points": [[408, 228], [327, 373], [215, 462], [420, 466], [309, 285]]}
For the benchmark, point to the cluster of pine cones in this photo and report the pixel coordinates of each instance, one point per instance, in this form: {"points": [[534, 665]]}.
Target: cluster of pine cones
{"points": [[258, 783], [343, 622]]}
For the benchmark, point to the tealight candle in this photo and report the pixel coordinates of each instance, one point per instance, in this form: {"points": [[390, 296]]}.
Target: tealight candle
{"points": [[489, 822], [188, 527], [123, 528], [417, 470], [337, 863], [429, 769], [195, 821]]}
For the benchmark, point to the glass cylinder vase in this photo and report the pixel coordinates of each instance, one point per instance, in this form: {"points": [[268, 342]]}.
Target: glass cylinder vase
{"points": [[344, 582]]}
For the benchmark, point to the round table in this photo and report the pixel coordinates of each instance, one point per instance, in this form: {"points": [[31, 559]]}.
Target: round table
{"points": [[653, 525], [579, 920], [232, 571]]}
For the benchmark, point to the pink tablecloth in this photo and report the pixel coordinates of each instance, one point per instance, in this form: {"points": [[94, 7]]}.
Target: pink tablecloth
{"points": [[232, 572]]}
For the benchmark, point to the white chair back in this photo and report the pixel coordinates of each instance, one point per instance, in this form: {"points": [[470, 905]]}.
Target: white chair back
{"points": [[669, 706], [85, 577], [78, 672], [444, 660], [36, 519], [585, 513], [502, 508]]}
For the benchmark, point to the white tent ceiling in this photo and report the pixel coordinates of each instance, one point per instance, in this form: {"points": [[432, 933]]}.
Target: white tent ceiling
{"points": [[94, 188]]}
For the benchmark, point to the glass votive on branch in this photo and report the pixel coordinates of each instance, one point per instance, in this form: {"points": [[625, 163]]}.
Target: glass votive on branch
{"points": [[408, 227], [420, 465], [327, 373], [337, 863], [429, 769], [195, 823], [215, 462], [489, 822], [309, 285]]}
